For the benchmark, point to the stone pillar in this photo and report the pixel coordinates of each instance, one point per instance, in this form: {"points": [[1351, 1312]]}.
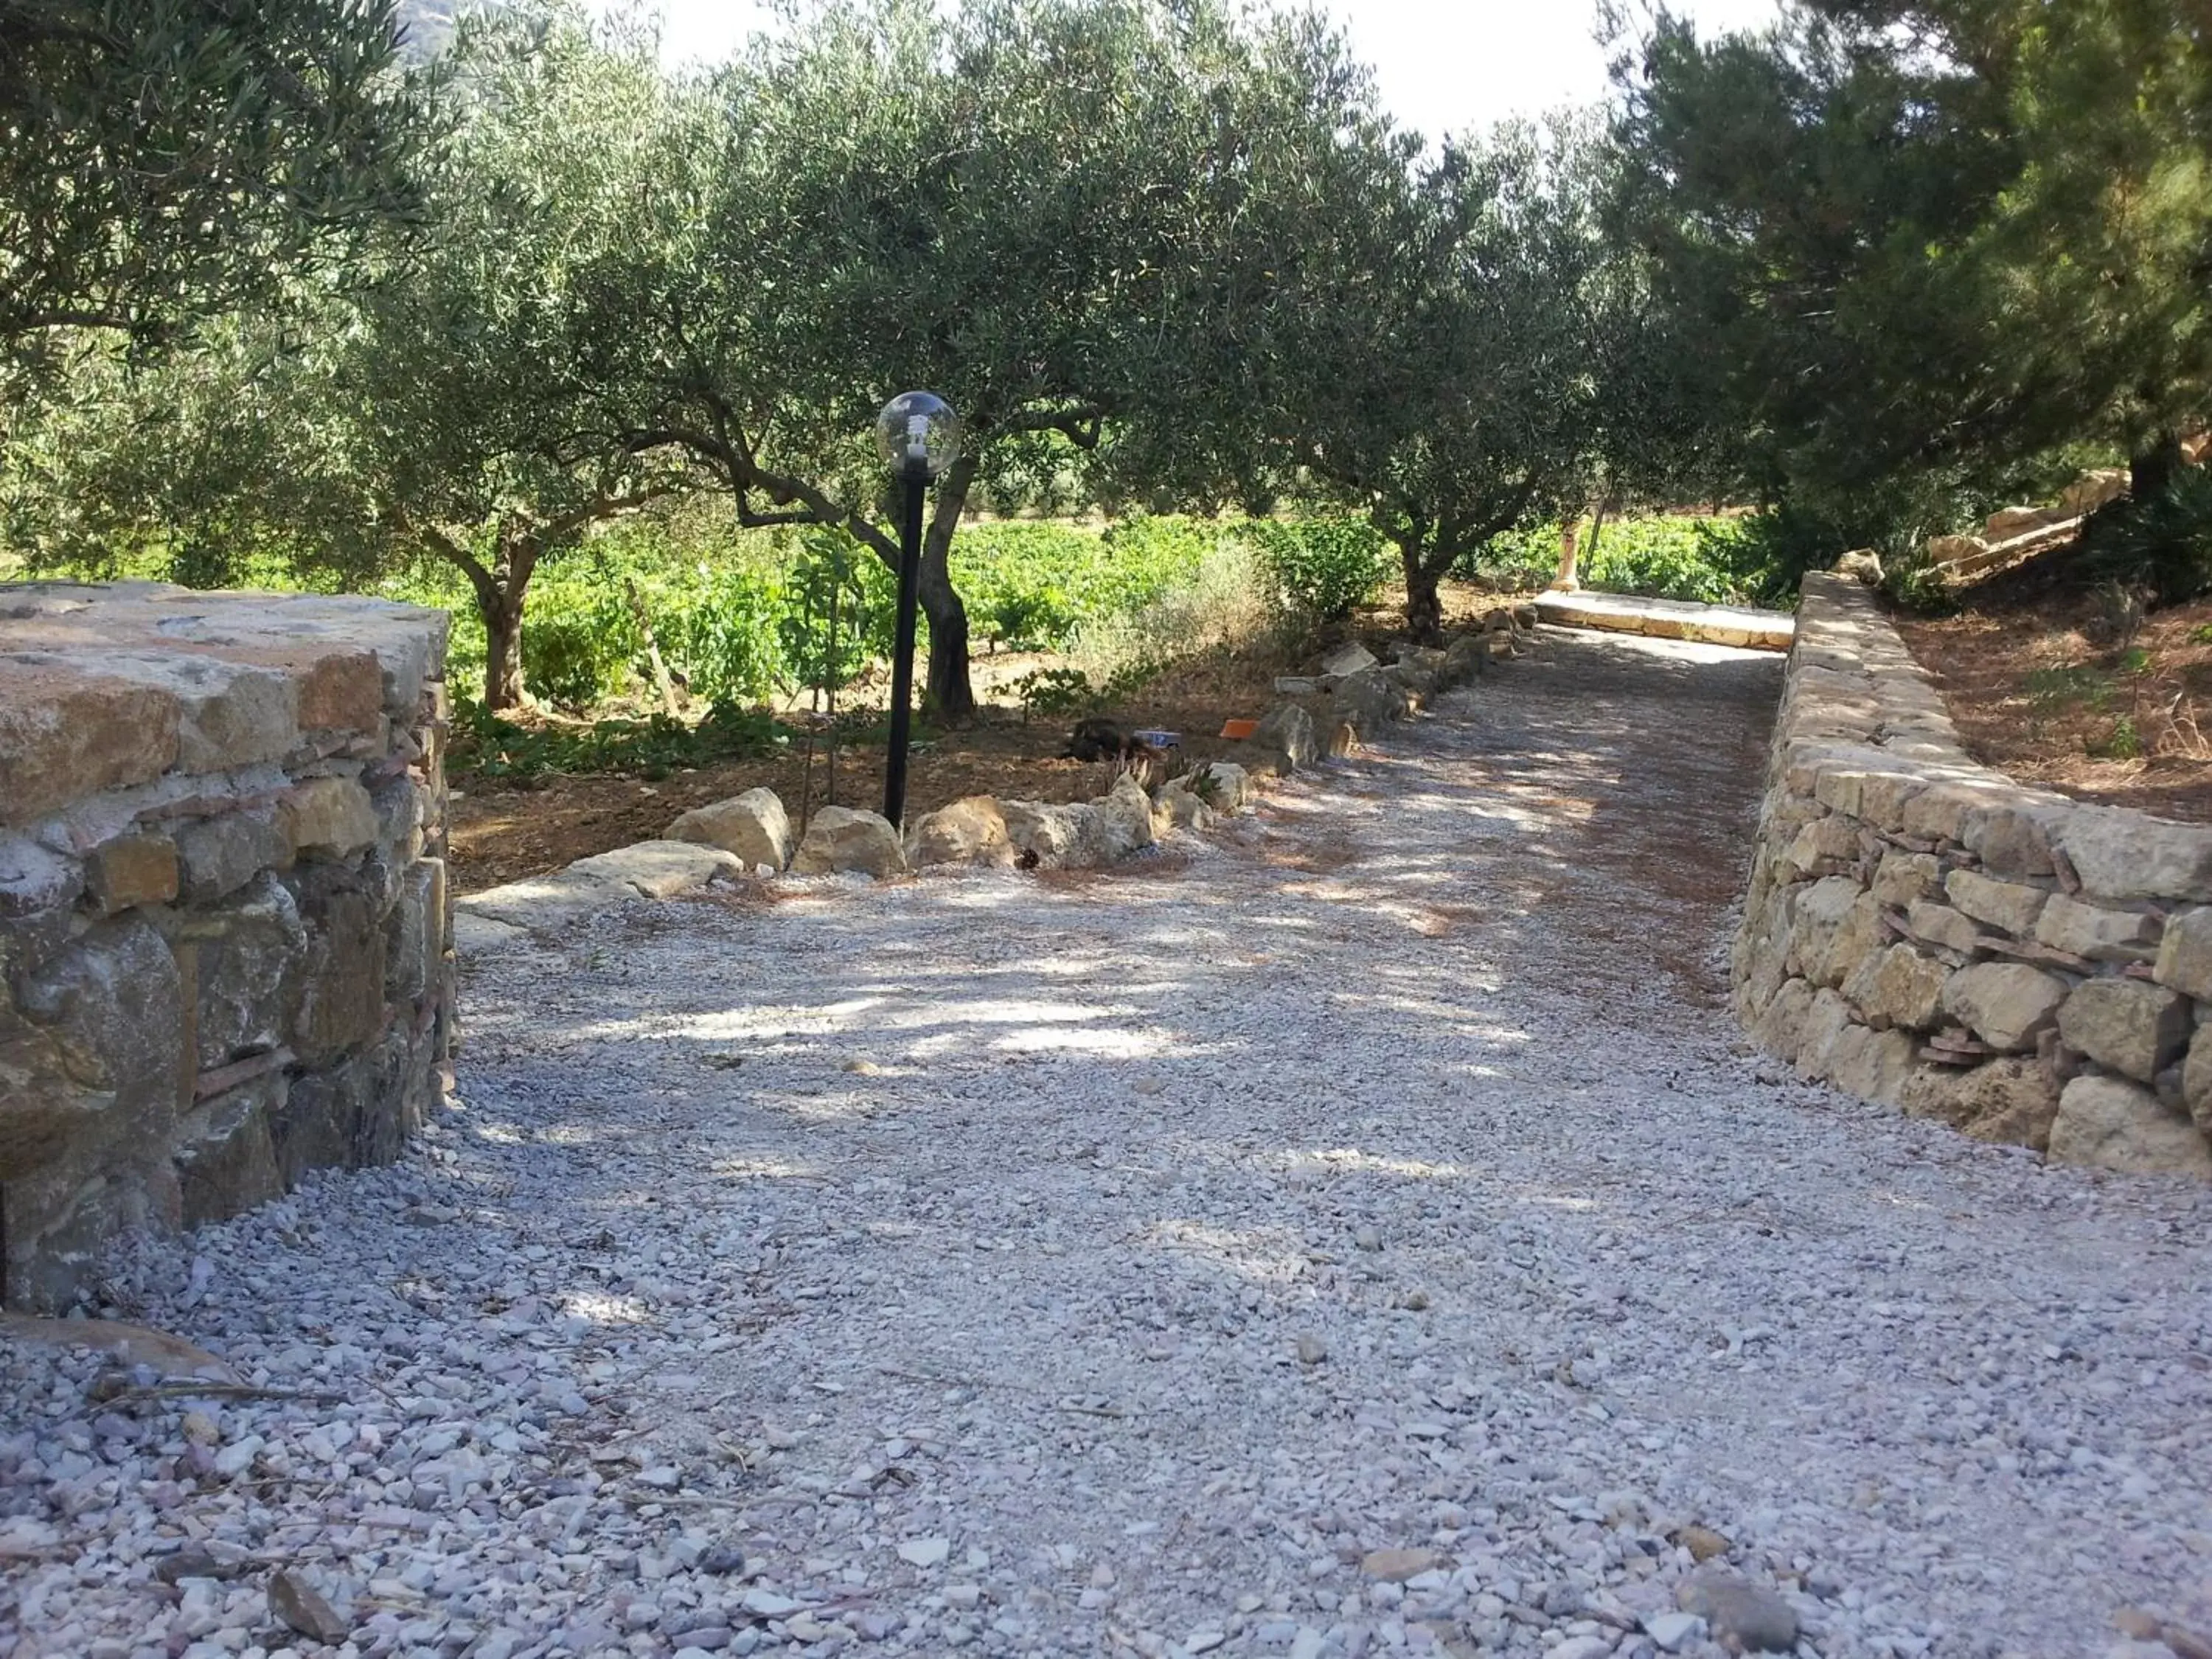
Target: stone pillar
{"points": [[224, 949]]}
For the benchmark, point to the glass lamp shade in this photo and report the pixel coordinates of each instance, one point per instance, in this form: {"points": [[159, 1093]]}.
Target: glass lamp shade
{"points": [[919, 432]]}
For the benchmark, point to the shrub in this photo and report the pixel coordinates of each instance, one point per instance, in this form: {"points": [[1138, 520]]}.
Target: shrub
{"points": [[1318, 569], [2162, 546]]}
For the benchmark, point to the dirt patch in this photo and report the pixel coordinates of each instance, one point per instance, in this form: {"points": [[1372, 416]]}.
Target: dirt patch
{"points": [[2054, 688]]}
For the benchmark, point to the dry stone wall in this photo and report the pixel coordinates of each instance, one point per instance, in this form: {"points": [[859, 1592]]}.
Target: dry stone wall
{"points": [[1922, 931], [224, 939]]}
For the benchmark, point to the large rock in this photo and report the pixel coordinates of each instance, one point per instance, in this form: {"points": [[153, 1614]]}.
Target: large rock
{"points": [[1369, 699], [840, 839], [1465, 658], [1900, 987], [1233, 788], [2010, 1102], [226, 1159], [1346, 660], [1125, 815], [2184, 955], [753, 826], [2123, 854], [1817, 916], [1940, 925], [2006, 1004], [2136, 1028], [970, 831], [330, 817], [1904, 878], [1185, 810], [1056, 836], [131, 870], [2003, 904], [247, 959], [1287, 735], [1871, 1063], [110, 1048], [341, 999], [217, 856], [2109, 1124], [2197, 1077], [663, 869], [1421, 669], [2090, 930]]}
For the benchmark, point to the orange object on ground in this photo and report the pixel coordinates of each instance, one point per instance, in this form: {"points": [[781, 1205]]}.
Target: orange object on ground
{"points": [[1240, 728]]}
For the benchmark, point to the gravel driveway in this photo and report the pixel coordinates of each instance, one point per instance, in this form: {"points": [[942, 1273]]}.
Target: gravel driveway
{"points": [[1114, 1263]]}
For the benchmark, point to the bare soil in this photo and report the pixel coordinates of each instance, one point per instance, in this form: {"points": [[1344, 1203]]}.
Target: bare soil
{"points": [[2046, 685]]}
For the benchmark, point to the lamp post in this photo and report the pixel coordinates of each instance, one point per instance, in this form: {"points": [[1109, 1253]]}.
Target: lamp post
{"points": [[920, 436]]}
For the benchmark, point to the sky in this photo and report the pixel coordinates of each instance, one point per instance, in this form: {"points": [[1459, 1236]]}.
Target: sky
{"points": [[1443, 65]]}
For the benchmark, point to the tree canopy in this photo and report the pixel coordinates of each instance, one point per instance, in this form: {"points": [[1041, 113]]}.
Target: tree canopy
{"points": [[165, 161]]}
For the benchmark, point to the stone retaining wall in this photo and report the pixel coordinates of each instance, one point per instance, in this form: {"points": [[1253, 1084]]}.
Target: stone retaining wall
{"points": [[223, 939], [1922, 931]]}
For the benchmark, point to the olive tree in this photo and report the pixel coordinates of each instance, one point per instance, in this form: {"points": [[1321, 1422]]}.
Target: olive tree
{"points": [[1021, 206]]}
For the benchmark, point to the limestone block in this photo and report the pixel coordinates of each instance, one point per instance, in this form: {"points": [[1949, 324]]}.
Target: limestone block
{"points": [[2092, 490], [1872, 1064], [1369, 700], [1939, 812], [1822, 1033], [1421, 669], [1125, 815], [217, 856], [1833, 839], [2010, 839], [1899, 987], [2184, 954], [1233, 788], [2004, 905], [839, 838], [1819, 914], [1185, 810], [2082, 929], [225, 1158], [753, 825], [1066, 837], [131, 870], [1287, 734], [248, 960], [538, 903], [2006, 1004], [35, 879], [1939, 924], [2197, 1077], [413, 933], [2136, 1028], [341, 969], [1903, 878], [66, 733], [109, 1059], [2008, 1102], [2122, 855], [1779, 1028], [662, 869], [1465, 658], [1862, 933], [42, 1107], [1346, 660], [2109, 1124], [328, 817], [970, 831]]}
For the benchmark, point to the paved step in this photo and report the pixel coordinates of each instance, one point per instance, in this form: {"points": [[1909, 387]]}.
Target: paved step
{"points": [[1671, 619]]}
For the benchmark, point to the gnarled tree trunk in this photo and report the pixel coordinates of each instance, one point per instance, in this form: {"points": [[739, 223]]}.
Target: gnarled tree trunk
{"points": [[499, 593], [950, 695], [1425, 606]]}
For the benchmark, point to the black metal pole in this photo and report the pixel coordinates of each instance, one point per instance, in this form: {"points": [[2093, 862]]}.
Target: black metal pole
{"points": [[916, 483]]}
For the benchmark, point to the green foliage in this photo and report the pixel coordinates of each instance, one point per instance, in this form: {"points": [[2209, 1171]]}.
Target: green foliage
{"points": [[1716, 561], [834, 576], [1320, 569], [170, 161], [1057, 691], [2052, 690], [2162, 546], [2123, 742], [488, 744]]}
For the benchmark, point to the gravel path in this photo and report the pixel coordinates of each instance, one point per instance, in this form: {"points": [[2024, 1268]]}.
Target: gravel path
{"points": [[1102, 1264]]}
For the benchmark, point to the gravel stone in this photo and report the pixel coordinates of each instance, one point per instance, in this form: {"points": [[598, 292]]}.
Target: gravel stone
{"points": [[1463, 993]]}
